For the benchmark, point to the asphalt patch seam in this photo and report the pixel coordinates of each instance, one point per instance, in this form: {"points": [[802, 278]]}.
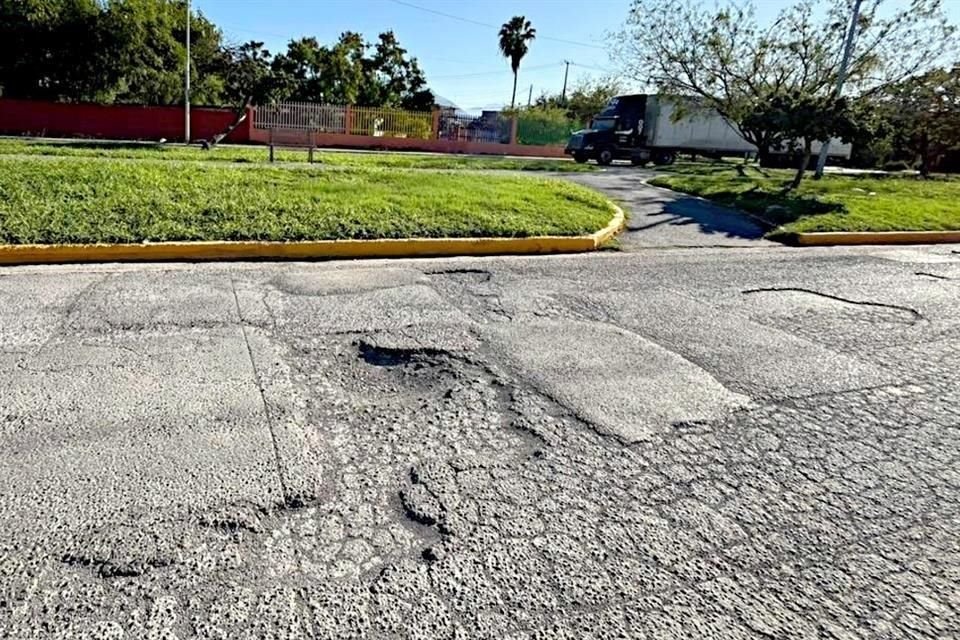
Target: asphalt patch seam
{"points": [[289, 501], [868, 303], [933, 275], [69, 311], [287, 498]]}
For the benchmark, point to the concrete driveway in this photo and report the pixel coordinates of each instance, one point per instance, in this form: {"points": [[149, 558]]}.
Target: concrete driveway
{"points": [[663, 218], [678, 443]]}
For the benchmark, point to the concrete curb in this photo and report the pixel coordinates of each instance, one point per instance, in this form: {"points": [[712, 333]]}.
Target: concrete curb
{"points": [[14, 254], [831, 238]]}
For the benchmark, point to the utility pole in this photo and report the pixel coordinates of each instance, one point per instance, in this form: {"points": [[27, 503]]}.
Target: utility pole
{"points": [[566, 72], [186, 83], [530, 96], [841, 78]]}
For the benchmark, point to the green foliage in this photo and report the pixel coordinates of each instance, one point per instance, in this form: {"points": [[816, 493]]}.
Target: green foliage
{"points": [[835, 203], [585, 99], [350, 72], [134, 51], [923, 115], [372, 122], [800, 119], [55, 49], [53, 200], [543, 126]]}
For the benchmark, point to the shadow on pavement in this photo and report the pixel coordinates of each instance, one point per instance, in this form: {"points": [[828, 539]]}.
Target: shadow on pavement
{"points": [[683, 211]]}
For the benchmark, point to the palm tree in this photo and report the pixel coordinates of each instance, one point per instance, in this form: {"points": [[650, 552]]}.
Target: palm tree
{"points": [[514, 36]]}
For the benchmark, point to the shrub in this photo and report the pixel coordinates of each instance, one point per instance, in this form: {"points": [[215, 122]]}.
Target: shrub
{"points": [[543, 126]]}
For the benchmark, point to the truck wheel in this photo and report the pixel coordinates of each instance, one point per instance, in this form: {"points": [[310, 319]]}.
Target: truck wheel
{"points": [[664, 158], [605, 156], [579, 158]]}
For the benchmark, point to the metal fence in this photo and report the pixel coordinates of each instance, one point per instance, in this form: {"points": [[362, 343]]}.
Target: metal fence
{"points": [[323, 118], [443, 124], [301, 116]]}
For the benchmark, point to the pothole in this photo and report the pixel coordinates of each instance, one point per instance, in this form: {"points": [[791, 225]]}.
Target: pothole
{"points": [[397, 356]]}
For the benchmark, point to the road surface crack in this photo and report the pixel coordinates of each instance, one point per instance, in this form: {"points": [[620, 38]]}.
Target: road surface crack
{"points": [[288, 499], [869, 303], [933, 275]]}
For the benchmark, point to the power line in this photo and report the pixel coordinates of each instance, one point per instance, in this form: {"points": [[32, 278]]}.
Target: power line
{"points": [[445, 15], [491, 26], [490, 73], [587, 66]]}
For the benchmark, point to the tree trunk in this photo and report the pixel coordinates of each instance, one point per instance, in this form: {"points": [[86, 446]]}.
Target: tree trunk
{"points": [[925, 155], [513, 98], [804, 163], [762, 156], [763, 150]]}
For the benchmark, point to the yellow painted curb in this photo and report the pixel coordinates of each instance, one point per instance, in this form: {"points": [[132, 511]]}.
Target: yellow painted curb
{"points": [[14, 254], [828, 238]]}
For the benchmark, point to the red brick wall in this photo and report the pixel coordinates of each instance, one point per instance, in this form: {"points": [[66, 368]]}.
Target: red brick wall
{"points": [[119, 122]]}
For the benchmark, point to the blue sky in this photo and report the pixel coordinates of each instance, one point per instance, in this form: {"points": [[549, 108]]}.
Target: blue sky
{"points": [[460, 57]]}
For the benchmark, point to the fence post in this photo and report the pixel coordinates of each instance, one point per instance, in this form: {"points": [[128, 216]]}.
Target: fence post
{"points": [[271, 144], [348, 120], [435, 131], [513, 129]]}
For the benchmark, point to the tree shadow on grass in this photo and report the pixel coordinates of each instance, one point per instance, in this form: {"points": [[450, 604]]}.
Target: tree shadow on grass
{"points": [[776, 208]]}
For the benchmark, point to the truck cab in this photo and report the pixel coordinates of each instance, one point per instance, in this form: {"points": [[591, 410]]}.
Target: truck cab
{"points": [[616, 132]]}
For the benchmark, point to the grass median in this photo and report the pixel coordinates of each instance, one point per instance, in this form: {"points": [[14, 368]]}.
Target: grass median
{"points": [[834, 203], [259, 154], [86, 200]]}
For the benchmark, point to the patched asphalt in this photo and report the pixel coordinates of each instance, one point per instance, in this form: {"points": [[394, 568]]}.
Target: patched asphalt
{"points": [[677, 443]]}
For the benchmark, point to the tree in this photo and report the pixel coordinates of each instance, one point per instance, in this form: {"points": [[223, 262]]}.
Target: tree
{"points": [[55, 50], [514, 36], [924, 115], [585, 100], [152, 35], [804, 119], [246, 74], [134, 51], [350, 72], [722, 59]]}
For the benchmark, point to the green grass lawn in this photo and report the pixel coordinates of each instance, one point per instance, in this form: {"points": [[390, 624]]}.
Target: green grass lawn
{"points": [[259, 154], [57, 200], [835, 203]]}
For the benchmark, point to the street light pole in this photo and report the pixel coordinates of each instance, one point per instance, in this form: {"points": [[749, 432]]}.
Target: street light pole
{"points": [[186, 83], [841, 78], [566, 71]]}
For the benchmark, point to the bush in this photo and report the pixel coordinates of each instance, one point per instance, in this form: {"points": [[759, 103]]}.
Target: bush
{"points": [[544, 126], [391, 123]]}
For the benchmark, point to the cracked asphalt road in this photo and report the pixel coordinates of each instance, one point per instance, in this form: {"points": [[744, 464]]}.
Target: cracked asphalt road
{"points": [[668, 444]]}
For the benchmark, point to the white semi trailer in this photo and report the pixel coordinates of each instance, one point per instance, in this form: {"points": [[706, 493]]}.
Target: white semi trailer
{"points": [[644, 128]]}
